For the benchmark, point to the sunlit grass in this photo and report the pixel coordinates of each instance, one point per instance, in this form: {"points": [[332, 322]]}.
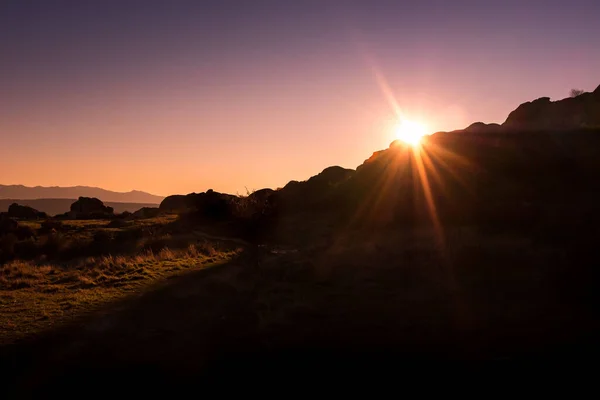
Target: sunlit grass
{"points": [[36, 296]]}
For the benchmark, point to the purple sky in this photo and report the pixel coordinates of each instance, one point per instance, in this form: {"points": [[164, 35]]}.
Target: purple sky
{"points": [[181, 96]]}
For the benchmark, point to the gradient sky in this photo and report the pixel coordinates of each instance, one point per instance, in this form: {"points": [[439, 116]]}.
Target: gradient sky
{"points": [[181, 96]]}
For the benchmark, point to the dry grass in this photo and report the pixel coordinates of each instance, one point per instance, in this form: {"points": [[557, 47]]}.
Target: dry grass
{"points": [[34, 297]]}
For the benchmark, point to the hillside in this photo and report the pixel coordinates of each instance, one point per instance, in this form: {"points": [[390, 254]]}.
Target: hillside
{"points": [[59, 206], [74, 192], [582, 111]]}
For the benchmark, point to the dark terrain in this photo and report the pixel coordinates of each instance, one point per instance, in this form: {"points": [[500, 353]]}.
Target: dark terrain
{"points": [[59, 206], [480, 246]]}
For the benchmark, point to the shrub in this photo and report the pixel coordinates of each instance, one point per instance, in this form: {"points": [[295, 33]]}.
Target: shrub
{"points": [[204, 248], [24, 232], [51, 225], [576, 92], [54, 244]]}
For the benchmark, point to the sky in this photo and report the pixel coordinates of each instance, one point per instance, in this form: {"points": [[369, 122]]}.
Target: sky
{"points": [[183, 96]]}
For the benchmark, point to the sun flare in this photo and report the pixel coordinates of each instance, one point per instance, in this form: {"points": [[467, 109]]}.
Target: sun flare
{"points": [[411, 132]]}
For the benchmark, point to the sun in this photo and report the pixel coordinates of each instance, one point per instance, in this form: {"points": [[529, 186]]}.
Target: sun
{"points": [[411, 132]]}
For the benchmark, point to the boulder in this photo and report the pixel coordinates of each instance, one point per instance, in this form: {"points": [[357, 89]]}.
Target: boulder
{"points": [[178, 203], [147, 212], [90, 207], [24, 212], [125, 215], [214, 205]]}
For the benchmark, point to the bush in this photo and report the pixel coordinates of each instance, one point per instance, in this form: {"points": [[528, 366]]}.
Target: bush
{"points": [[50, 226], [576, 92], [24, 232], [54, 244]]}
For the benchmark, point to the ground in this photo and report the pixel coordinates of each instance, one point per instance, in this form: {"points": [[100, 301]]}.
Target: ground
{"points": [[220, 307]]}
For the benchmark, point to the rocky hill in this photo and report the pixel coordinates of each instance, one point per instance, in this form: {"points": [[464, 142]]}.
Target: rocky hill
{"points": [[582, 111]]}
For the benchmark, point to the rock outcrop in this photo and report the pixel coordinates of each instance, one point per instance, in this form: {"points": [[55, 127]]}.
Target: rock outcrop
{"points": [[214, 205], [311, 194], [542, 114], [178, 203], [90, 207], [146, 212], [24, 212], [480, 127]]}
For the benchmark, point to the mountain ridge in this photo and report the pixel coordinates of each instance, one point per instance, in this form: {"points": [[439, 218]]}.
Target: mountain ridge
{"points": [[23, 192]]}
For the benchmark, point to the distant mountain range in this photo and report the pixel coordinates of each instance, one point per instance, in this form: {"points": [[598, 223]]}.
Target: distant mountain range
{"points": [[40, 192]]}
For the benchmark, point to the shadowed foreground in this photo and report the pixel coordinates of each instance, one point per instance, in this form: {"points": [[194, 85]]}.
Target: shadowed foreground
{"points": [[362, 303]]}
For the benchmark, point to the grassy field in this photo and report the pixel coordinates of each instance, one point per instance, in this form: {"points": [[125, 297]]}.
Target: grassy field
{"points": [[38, 297]]}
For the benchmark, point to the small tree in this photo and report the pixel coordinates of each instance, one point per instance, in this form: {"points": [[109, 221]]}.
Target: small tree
{"points": [[576, 92]]}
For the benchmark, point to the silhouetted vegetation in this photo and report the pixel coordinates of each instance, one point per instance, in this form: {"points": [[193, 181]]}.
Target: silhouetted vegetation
{"points": [[576, 92]]}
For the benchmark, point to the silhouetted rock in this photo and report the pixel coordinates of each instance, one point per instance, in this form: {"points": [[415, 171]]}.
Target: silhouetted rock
{"points": [[125, 215], [146, 212], [214, 205], [178, 203], [480, 127], [261, 195], [89, 207], [313, 193], [542, 114], [24, 212], [329, 177], [376, 154]]}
